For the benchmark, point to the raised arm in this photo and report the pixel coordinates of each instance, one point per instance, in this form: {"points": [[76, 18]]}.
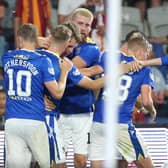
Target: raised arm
{"points": [[147, 101]]}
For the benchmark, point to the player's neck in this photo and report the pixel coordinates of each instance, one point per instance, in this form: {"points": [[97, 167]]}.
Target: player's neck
{"points": [[55, 50], [28, 46]]}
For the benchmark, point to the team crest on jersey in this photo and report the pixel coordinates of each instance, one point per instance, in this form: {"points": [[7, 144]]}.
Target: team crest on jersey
{"points": [[76, 72], [51, 71]]}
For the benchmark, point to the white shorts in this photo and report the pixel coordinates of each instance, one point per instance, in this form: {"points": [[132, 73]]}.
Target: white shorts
{"points": [[76, 127], [130, 144], [26, 140], [97, 142], [56, 143]]}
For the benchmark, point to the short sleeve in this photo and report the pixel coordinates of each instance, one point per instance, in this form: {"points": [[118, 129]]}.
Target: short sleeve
{"points": [[89, 53], [47, 70], [74, 75]]}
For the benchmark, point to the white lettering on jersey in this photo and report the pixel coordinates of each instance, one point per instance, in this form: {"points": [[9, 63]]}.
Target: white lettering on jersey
{"points": [[123, 88]]}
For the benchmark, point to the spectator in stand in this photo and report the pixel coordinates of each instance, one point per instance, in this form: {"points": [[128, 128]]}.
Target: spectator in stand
{"points": [[3, 6], [98, 24], [2, 106], [65, 7], [142, 5], [8, 24], [36, 12]]}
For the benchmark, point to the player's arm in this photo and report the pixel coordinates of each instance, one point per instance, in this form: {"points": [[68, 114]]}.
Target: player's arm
{"points": [[133, 66], [79, 62], [49, 105], [86, 56], [91, 71], [155, 61], [57, 88], [124, 68], [146, 96], [90, 84]]}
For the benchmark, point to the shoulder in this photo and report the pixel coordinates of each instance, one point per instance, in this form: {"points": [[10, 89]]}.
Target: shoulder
{"points": [[147, 70], [89, 46]]}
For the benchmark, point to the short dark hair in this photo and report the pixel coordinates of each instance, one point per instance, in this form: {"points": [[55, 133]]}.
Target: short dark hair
{"points": [[28, 32]]}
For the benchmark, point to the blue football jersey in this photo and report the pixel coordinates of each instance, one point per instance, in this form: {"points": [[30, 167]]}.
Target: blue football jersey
{"points": [[89, 52], [99, 105], [25, 73], [74, 76], [55, 61], [130, 87], [123, 58], [76, 99]]}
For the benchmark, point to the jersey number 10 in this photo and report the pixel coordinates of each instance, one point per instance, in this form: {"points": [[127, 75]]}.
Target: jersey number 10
{"points": [[20, 75]]}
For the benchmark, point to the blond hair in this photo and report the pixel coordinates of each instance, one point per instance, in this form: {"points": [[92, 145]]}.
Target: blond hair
{"points": [[137, 43], [82, 12]]}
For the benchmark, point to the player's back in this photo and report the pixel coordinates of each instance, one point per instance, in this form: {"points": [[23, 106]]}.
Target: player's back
{"points": [[130, 87], [24, 83]]}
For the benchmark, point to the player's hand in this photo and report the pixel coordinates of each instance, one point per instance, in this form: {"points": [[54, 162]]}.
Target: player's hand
{"points": [[143, 110], [65, 64], [43, 42], [49, 105], [153, 115], [135, 66], [141, 63]]}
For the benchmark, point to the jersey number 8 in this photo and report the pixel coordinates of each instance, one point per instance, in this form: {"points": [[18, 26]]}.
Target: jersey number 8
{"points": [[125, 83]]}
